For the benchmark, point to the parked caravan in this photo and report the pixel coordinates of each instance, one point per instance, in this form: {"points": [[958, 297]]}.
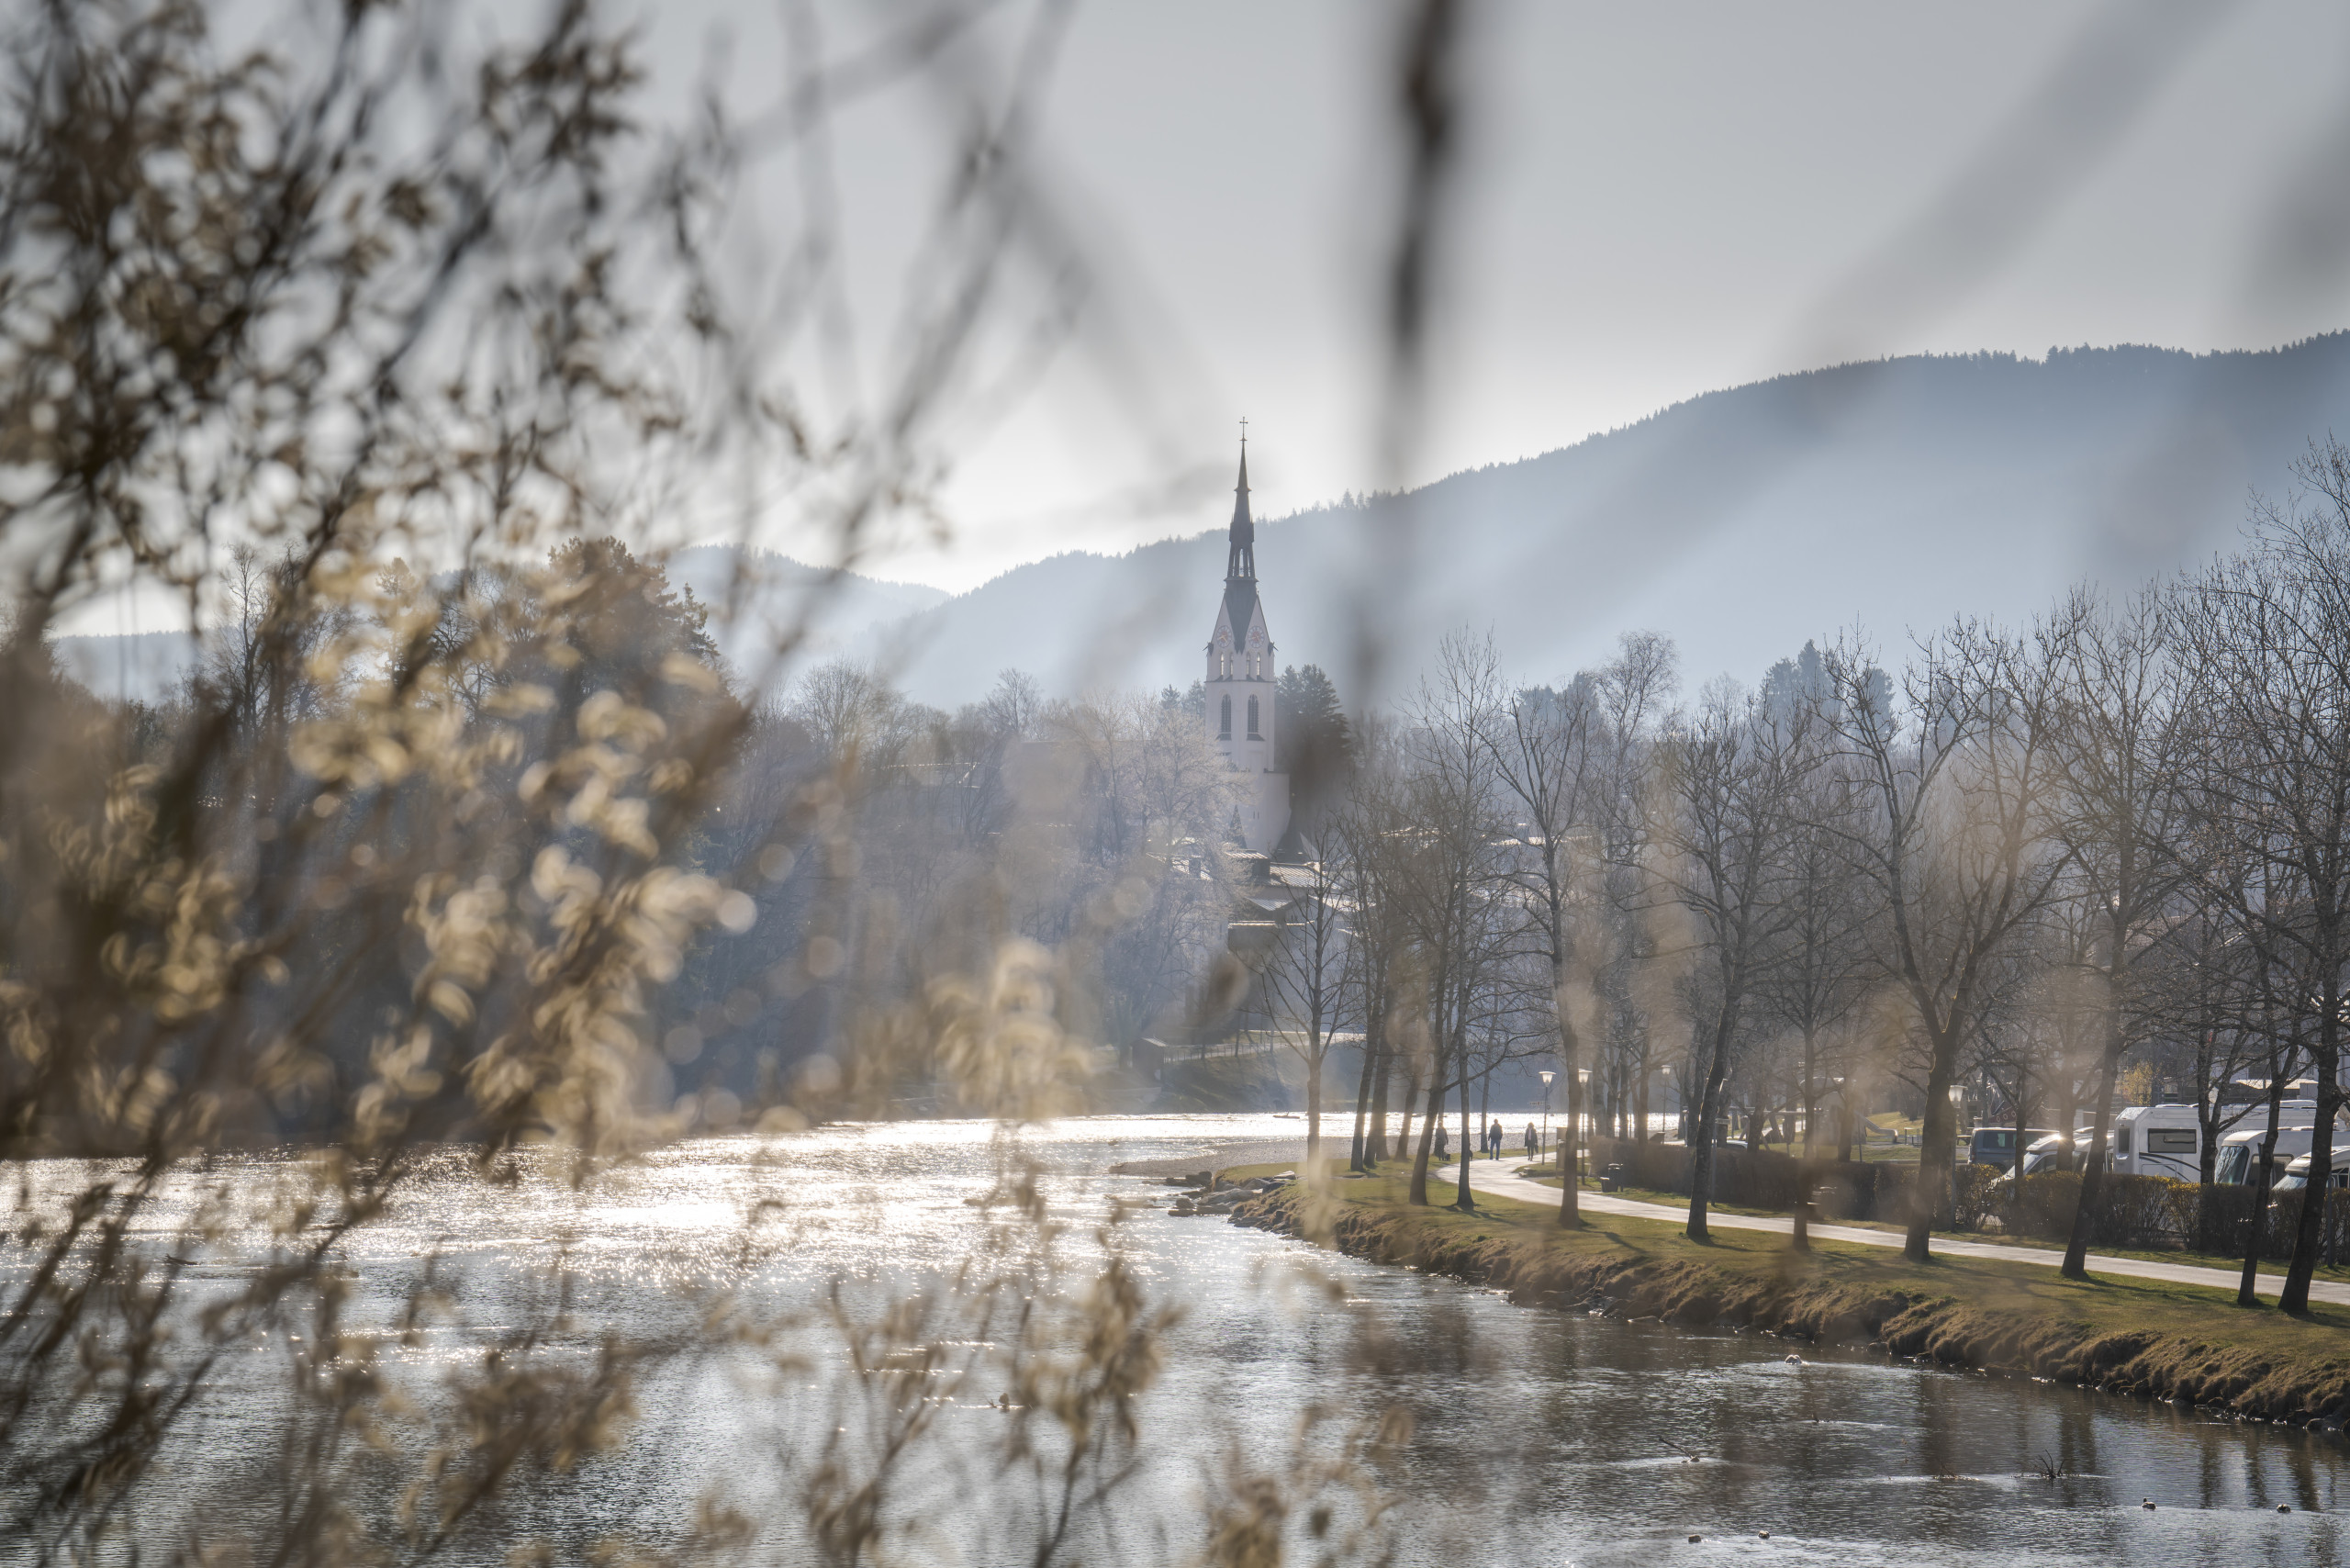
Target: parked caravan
{"points": [[2238, 1161], [2297, 1175], [2165, 1140], [2158, 1140]]}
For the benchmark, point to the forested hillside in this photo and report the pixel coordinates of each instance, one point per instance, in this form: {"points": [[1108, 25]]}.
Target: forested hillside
{"points": [[1894, 494]]}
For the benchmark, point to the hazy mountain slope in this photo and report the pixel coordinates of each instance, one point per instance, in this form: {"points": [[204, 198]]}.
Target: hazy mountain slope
{"points": [[843, 614], [776, 594], [1894, 494]]}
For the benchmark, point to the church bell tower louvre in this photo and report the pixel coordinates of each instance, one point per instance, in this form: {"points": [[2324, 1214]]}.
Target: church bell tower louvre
{"points": [[1240, 684]]}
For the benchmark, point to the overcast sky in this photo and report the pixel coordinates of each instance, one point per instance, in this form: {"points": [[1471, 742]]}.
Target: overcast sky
{"points": [[1661, 199]]}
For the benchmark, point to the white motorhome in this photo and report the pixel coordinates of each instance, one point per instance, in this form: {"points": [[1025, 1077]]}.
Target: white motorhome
{"points": [[2297, 1175], [2166, 1140], [2158, 1140], [2238, 1161]]}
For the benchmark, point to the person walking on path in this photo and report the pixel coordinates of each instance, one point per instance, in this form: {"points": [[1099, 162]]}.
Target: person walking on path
{"points": [[1533, 1143], [1442, 1137]]}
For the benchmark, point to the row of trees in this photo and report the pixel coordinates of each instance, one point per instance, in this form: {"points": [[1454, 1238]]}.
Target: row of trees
{"points": [[2033, 865]]}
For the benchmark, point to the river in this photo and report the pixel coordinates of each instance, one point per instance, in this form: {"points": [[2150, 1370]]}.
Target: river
{"points": [[1539, 1437]]}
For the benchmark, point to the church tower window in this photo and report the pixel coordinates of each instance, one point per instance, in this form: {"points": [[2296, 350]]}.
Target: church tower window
{"points": [[1252, 719], [1223, 730]]}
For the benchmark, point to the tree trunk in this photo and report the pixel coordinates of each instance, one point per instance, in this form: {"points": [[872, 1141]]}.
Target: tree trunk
{"points": [[1375, 1149], [1464, 1200], [1701, 1137], [1435, 1114], [2076, 1248], [2306, 1235], [1641, 1103], [1570, 1183], [1314, 1113], [2246, 1294], [1937, 1152], [1810, 1092], [1359, 1159], [1404, 1144]]}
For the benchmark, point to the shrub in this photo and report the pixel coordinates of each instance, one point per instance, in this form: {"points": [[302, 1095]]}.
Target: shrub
{"points": [[1975, 1196], [2044, 1204]]}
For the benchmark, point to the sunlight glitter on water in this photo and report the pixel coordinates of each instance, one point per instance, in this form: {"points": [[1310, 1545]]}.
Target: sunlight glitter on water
{"points": [[1529, 1423]]}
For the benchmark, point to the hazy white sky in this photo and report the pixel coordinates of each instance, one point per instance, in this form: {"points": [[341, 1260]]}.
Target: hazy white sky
{"points": [[1661, 200]]}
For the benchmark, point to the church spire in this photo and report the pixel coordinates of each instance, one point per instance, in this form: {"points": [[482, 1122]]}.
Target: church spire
{"points": [[1242, 567]]}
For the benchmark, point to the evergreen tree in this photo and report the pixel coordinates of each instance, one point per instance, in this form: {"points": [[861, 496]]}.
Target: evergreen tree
{"points": [[1312, 742]]}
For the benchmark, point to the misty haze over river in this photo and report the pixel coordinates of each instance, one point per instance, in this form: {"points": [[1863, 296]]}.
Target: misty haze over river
{"points": [[1541, 1436]]}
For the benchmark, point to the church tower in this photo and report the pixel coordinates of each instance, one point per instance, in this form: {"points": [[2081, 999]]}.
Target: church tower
{"points": [[1240, 676]]}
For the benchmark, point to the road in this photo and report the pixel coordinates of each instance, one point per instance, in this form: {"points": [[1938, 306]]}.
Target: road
{"points": [[1499, 1177]]}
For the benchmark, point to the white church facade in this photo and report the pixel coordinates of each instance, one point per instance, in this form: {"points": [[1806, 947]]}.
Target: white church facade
{"points": [[1240, 685]]}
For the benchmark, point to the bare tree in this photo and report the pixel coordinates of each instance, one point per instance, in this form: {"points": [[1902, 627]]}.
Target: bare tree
{"points": [[1450, 875], [1820, 968], [2123, 748], [1543, 750], [2267, 638], [1307, 976], [1960, 793], [1369, 830], [1727, 818]]}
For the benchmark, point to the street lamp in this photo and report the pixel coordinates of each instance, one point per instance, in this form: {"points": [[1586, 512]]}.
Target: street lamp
{"points": [[1546, 1108]]}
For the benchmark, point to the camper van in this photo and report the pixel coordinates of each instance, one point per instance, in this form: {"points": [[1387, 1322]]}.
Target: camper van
{"points": [[2297, 1175], [2057, 1151], [2158, 1140], [2166, 1140], [2239, 1162]]}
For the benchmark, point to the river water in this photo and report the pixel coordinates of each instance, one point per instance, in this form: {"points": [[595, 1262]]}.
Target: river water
{"points": [[1539, 1437]]}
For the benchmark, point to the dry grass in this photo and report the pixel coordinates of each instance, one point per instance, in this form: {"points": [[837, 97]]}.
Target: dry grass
{"points": [[2131, 1335]]}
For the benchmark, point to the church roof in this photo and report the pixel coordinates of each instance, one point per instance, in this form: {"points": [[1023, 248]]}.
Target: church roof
{"points": [[1239, 605]]}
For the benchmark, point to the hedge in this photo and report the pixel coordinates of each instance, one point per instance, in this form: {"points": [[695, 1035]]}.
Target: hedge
{"points": [[1757, 1179]]}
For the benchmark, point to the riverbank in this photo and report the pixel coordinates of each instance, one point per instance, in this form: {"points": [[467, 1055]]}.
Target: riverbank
{"points": [[2147, 1338]]}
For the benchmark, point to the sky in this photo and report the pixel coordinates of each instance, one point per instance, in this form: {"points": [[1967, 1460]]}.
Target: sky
{"points": [[1653, 202], [1656, 201]]}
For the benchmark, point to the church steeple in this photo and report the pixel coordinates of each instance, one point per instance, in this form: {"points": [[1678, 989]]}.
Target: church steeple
{"points": [[1240, 685], [1242, 567]]}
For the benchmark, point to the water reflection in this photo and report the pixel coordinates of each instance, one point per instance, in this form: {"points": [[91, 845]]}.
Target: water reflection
{"points": [[1541, 1437]]}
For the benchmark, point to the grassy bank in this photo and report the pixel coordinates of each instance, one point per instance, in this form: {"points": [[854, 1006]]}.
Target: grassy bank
{"points": [[2125, 1335]]}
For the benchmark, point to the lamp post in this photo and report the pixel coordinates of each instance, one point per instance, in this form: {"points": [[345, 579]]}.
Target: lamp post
{"points": [[1546, 1107]]}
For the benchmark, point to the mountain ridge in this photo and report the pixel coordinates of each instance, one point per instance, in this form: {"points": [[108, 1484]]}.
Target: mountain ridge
{"points": [[1889, 493]]}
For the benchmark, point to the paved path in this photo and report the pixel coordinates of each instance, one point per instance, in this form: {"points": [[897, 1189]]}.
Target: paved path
{"points": [[1498, 1176]]}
